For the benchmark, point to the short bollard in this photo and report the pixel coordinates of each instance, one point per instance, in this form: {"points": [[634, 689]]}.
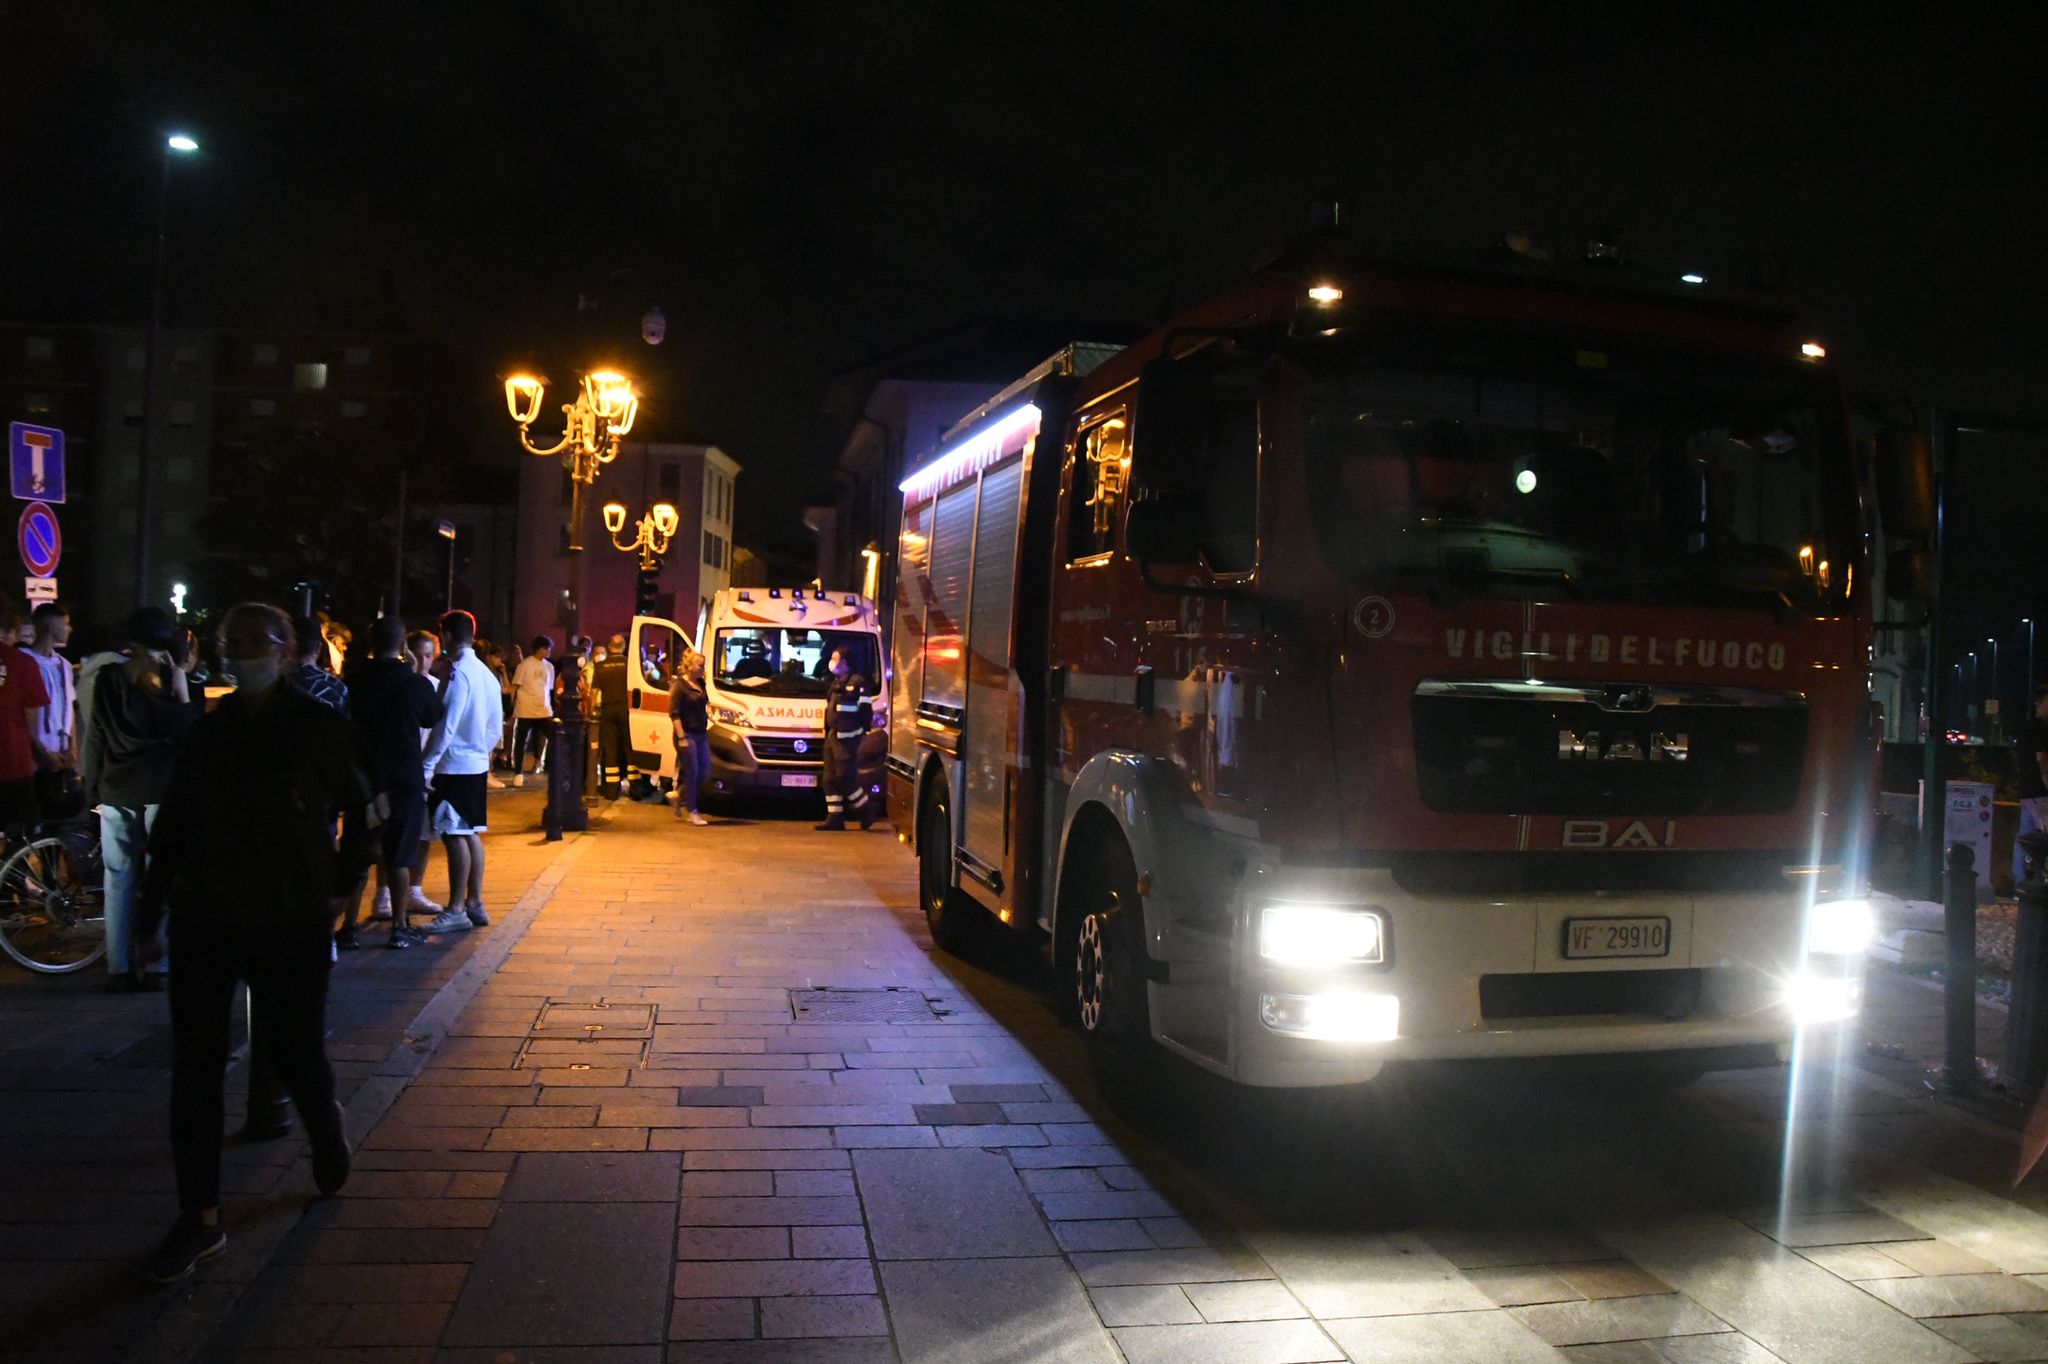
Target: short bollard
{"points": [[2026, 1042], [269, 1110], [1959, 985]]}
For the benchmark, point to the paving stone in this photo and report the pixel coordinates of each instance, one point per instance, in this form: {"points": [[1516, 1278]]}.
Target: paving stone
{"points": [[1123, 1177], [391, 1323], [1049, 1111], [1960, 1295], [568, 1139], [545, 1354], [1836, 1229], [732, 1243], [1585, 1323], [1726, 1347], [1523, 1286], [834, 1115], [1610, 1279], [1069, 1207], [1111, 1268], [1338, 1274], [1144, 1305], [950, 1203], [783, 1318], [662, 1115], [761, 1212], [877, 1138], [1488, 1337], [1052, 1157], [712, 1319], [709, 1183], [828, 1243], [1998, 1335], [1514, 1246], [1102, 1235], [860, 1350], [997, 1094], [767, 1160], [992, 1134], [1859, 1262], [568, 1274], [814, 1183], [1617, 1352], [948, 1311], [1937, 1257], [1177, 1233], [1061, 1180], [594, 1177], [773, 1278], [958, 1114], [1249, 1300], [1246, 1342]]}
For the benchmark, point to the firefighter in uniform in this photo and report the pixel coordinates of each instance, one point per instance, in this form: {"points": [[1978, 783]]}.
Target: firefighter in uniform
{"points": [[616, 770], [848, 713]]}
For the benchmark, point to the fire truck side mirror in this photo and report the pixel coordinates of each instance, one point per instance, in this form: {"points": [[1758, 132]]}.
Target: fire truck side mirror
{"points": [[1172, 427], [1904, 473]]}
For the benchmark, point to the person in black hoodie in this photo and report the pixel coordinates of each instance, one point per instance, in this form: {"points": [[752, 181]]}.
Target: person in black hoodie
{"points": [[242, 855], [390, 703], [141, 712]]}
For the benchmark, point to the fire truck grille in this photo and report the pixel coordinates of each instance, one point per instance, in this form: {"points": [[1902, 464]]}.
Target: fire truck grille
{"points": [[1560, 873], [1526, 749], [1669, 995], [770, 750]]}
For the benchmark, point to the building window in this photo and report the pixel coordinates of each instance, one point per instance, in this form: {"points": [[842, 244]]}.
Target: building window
{"points": [[351, 407], [355, 357], [263, 354], [668, 482], [38, 404], [714, 549], [263, 407], [309, 378], [184, 412], [40, 348]]}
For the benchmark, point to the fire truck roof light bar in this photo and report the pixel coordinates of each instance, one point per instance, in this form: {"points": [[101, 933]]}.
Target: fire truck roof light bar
{"points": [[978, 451]]}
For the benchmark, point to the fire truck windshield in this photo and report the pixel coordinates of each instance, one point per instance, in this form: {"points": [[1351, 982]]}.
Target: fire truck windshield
{"points": [[788, 660], [1589, 465]]}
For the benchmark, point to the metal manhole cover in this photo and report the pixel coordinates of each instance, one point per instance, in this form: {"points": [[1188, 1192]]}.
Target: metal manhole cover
{"points": [[891, 1004], [594, 1018]]}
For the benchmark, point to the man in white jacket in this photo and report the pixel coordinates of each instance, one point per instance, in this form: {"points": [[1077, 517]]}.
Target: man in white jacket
{"points": [[458, 768]]}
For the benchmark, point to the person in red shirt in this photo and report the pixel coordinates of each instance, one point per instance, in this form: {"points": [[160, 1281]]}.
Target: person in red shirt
{"points": [[22, 699]]}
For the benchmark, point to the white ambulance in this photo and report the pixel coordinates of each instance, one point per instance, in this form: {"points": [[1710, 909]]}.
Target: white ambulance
{"points": [[767, 650]]}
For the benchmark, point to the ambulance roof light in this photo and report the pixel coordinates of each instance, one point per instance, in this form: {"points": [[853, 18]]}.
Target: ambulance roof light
{"points": [[775, 593], [852, 600], [746, 596], [821, 594]]}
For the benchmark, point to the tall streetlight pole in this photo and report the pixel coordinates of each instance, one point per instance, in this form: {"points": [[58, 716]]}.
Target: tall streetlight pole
{"points": [[1991, 690], [592, 427], [2028, 621], [175, 145]]}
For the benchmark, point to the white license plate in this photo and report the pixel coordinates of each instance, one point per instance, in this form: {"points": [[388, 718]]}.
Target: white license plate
{"points": [[799, 779], [1617, 937]]}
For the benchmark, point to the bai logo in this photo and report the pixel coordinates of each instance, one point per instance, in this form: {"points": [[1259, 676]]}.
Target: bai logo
{"points": [[1602, 833]]}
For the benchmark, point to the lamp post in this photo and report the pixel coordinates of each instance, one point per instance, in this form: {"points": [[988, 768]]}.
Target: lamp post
{"points": [[650, 541], [1991, 692], [592, 427], [175, 145], [2028, 621]]}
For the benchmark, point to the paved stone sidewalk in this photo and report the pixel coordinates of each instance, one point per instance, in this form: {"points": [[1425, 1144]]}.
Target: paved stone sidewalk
{"points": [[85, 1169], [724, 1103]]}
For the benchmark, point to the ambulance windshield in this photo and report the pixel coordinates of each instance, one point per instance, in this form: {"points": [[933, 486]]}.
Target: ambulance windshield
{"points": [[1580, 465], [767, 660]]}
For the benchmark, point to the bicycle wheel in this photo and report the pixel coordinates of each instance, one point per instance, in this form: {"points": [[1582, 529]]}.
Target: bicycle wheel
{"points": [[53, 905]]}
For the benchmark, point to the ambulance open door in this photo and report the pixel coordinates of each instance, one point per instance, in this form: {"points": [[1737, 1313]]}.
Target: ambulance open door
{"points": [[653, 654]]}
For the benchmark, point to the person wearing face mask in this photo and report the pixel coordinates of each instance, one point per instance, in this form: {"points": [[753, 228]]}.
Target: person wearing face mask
{"points": [[242, 858], [848, 714]]}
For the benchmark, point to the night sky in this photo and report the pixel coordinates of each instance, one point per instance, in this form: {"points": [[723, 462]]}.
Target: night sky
{"points": [[800, 186]]}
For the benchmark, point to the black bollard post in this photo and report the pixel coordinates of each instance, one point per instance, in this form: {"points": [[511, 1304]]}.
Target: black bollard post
{"points": [[1959, 986], [2026, 1039], [268, 1114]]}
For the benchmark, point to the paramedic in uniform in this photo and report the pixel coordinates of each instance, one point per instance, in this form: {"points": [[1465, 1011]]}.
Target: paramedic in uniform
{"points": [[848, 713]]}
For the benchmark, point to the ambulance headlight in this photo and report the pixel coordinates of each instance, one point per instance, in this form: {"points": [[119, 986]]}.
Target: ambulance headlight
{"points": [[1813, 997], [1321, 935], [727, 715], [1840, 928]]}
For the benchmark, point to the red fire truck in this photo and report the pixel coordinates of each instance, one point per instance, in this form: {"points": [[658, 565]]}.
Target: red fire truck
{"points": [[1388, 663]]}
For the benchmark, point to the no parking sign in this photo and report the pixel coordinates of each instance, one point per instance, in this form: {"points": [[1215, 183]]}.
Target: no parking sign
{"points": [[42, 543]]}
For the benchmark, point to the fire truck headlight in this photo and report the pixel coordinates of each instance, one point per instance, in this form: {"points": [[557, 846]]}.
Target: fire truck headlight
{"points": [[1816, 998], [1840, 928], [1321, 935], [1337, 1016]]}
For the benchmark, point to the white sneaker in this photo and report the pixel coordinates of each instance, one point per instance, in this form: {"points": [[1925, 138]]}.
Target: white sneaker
{"points": [[493, 783], [696, 818], [419, 903], [447, 921], [382, 908]]}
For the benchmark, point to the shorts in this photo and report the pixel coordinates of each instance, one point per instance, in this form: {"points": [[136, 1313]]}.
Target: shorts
{"points": [[399, 836], [457, 801]]}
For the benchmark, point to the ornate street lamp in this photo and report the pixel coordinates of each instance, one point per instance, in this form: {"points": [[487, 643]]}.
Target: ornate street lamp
{"points": [[650, 536], [592, 427]]}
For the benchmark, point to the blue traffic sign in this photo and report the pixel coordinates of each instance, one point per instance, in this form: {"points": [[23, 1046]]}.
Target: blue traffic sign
{"points": [[42, 543], [35, 462]]}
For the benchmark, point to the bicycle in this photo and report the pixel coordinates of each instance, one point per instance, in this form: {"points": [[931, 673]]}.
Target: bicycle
{"points": [[53, 898]]}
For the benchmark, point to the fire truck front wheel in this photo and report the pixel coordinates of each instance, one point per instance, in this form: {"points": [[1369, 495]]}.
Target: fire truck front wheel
{"points": [[1102, 968], [957, 924]]}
